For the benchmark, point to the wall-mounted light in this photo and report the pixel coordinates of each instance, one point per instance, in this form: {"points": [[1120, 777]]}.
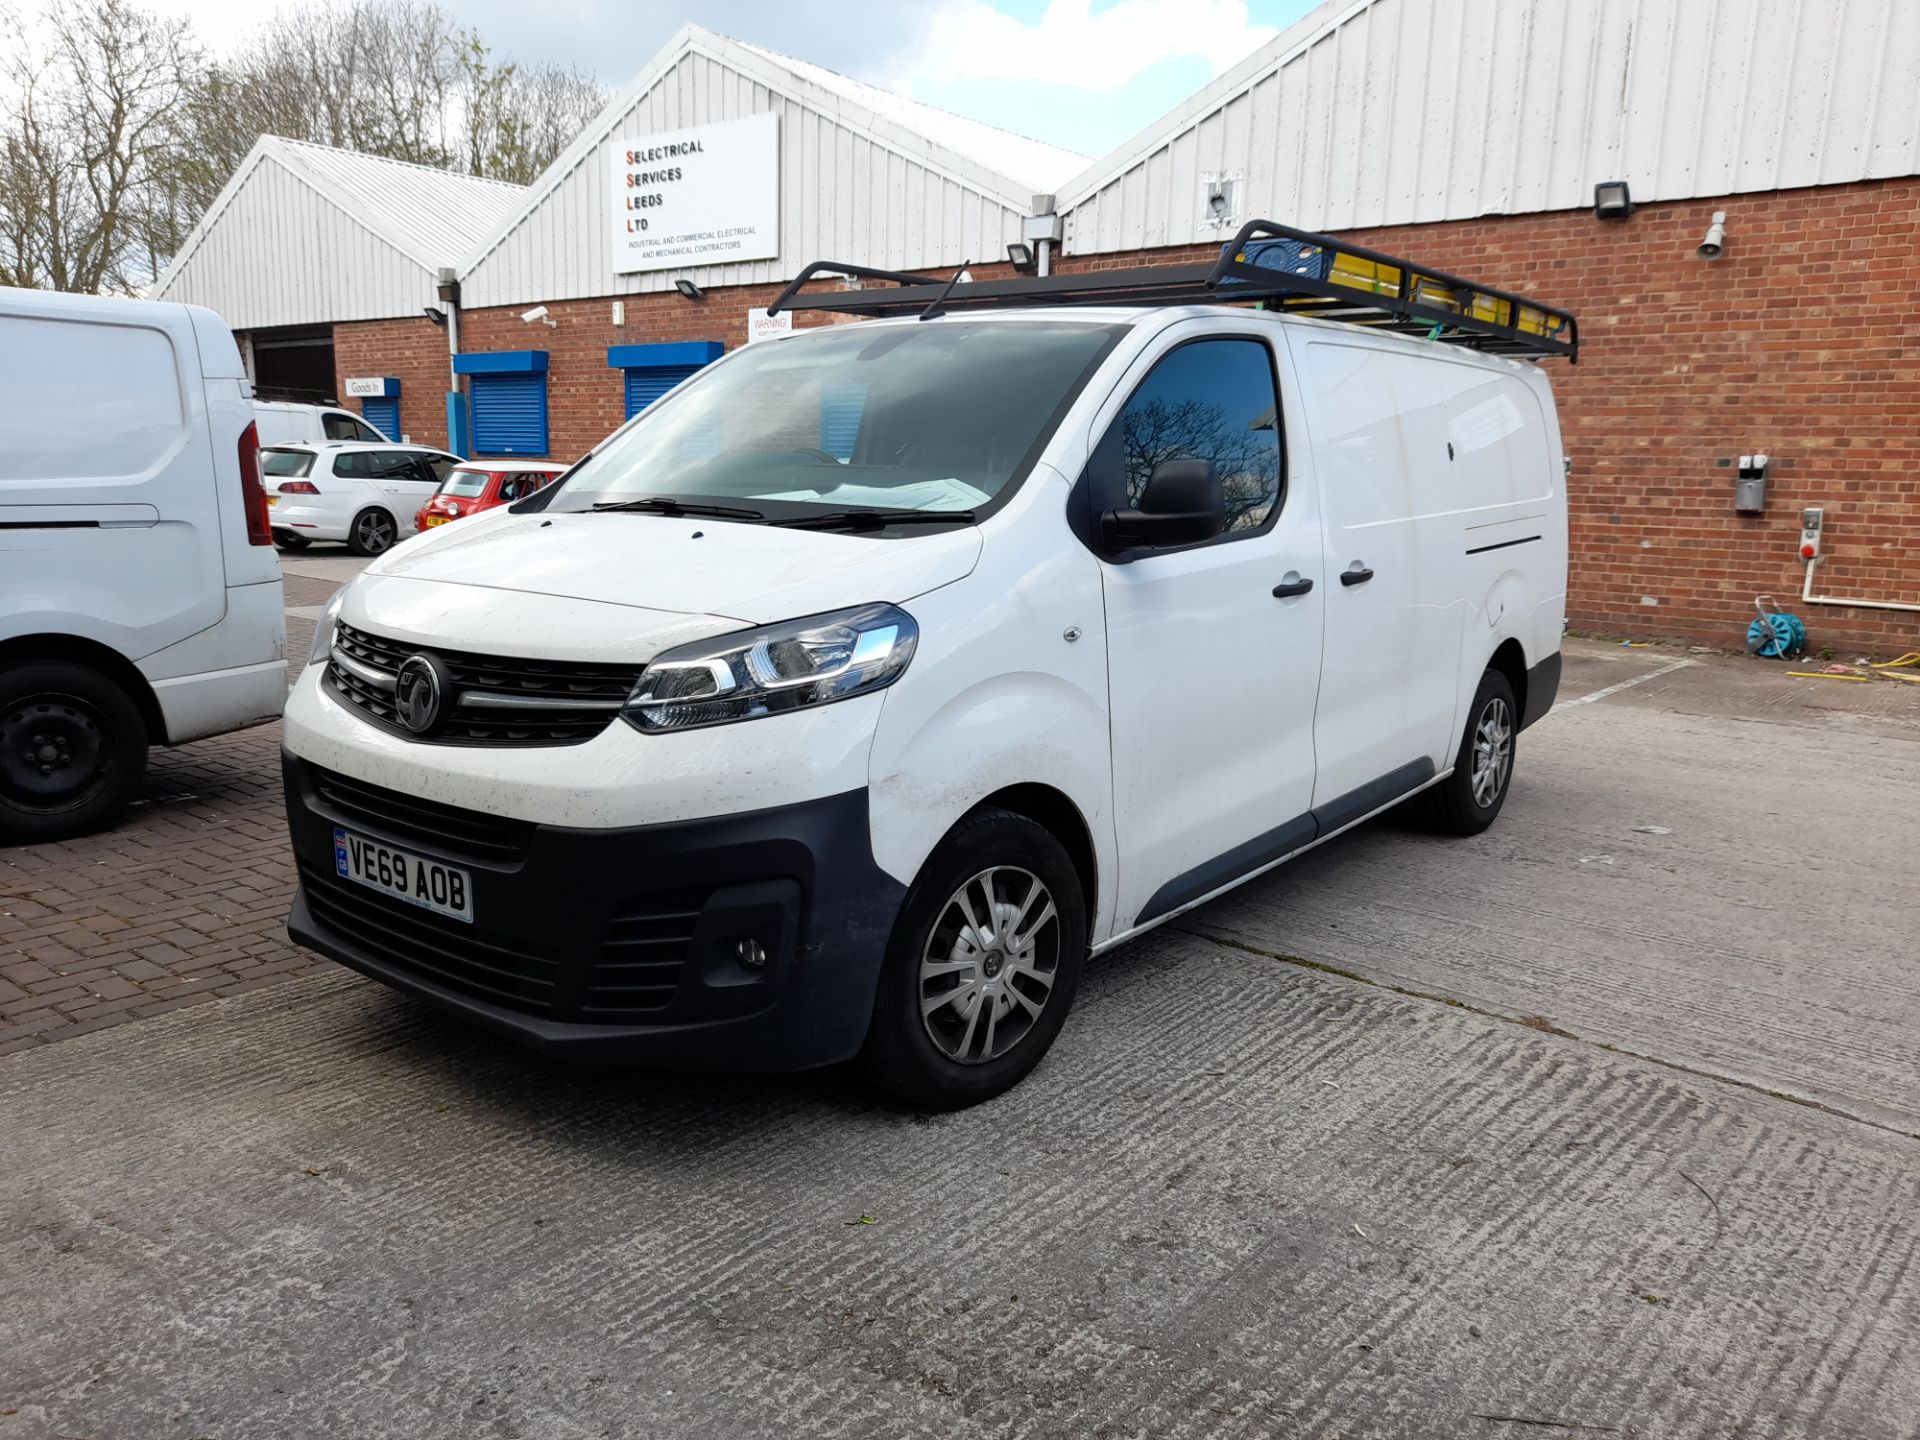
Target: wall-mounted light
{"points": [[690, 290], [1612, 200], [1714, 245], [434, 313], [1020, 256]]}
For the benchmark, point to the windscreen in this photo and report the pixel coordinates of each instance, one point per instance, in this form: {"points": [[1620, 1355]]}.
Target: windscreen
{"points": [[935, 417], [286, 463], [465, 483]]}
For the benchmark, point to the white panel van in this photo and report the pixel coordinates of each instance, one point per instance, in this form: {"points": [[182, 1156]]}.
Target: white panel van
{"points": [[140, 598], [287, 422], [846, 700]]}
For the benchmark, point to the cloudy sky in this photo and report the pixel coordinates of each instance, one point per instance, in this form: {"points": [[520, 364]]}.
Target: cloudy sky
{"points": [[1080, 74]]}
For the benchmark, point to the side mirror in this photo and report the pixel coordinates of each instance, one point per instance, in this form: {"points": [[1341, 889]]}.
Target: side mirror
{"points": [[1183, 504]]}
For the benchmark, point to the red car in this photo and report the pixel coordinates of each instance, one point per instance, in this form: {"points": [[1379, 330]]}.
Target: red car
{"points": [[482, 484]]}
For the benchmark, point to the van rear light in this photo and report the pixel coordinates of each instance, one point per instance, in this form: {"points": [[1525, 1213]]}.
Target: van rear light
{"points": [[253, 492], [299, 487]]}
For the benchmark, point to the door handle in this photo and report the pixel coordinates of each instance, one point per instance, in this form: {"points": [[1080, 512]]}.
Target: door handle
{"points": [[1355, 574], [1287, 589]]}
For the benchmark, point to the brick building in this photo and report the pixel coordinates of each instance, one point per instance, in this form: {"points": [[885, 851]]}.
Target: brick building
{"points": [[1471, 137]]}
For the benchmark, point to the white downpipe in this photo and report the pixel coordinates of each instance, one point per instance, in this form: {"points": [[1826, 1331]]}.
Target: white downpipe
{"points": [[1807, 595], [1042, 268]]}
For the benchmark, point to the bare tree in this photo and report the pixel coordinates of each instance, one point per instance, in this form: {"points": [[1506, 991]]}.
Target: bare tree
{"points": [[92, 124], [1246, 455], [517, 119], [116, 133]]}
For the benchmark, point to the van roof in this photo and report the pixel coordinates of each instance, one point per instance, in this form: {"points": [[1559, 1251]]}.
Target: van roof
{"points": [[1293, 271]]}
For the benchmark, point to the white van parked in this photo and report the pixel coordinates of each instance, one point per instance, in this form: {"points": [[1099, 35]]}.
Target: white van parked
{"points": [[286, 422], [140, 597], [847, 699]]}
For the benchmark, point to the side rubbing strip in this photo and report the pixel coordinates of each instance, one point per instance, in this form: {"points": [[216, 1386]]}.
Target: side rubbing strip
{"points": [[1302, 830], [1227, 868], [1504, 544]]}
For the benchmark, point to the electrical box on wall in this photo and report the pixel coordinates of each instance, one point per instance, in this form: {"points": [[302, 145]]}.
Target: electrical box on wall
{"points": [[1750, 485], [1811, 519]]}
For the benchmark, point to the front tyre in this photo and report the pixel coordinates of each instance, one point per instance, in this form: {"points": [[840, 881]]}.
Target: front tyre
{"points": [[72, 747], [1466, 802], [982, 965]]}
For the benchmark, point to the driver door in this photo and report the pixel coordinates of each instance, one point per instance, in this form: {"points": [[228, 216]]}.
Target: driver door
{"points": [[1213, 649]]}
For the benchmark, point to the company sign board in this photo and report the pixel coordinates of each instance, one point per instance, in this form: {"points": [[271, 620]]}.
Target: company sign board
{"points": [[705, 196]]}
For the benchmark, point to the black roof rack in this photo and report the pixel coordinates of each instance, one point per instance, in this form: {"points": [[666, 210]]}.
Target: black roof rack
{"points": [[1294, 271]]}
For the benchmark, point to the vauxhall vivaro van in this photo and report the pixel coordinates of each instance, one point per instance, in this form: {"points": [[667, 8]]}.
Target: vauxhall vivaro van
{"points": [[140, 598], [844, 701]]}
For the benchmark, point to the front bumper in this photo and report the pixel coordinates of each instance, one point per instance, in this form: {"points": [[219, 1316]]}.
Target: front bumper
{"points": [[616, 946]]}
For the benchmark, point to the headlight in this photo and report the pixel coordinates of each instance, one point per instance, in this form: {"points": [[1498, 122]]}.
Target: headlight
{"points": [[323, 628], [790, 666]]}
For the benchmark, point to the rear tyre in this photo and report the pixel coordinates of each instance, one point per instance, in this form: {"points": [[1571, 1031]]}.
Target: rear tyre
{"points": [[982, 965], [1466, 802], [72, 747], [373, 532], [287, 540]]}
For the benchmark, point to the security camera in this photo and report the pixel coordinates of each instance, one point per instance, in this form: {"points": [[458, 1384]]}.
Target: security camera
{"points": [[1715, 245], [533, 316]]}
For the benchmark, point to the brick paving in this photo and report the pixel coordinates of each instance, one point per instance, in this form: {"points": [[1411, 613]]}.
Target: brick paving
{"points": [[184, 902]]}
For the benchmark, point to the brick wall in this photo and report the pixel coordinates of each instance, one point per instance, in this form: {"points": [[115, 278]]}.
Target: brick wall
{"points": [[1796, 344], [414, 352]]}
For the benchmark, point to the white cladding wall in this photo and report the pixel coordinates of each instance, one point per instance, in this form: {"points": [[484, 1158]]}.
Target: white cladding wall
{"points": [[1389, 112], [284, 254], [843, 195]]}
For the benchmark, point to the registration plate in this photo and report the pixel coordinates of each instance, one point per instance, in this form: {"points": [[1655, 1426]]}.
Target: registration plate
{"points": [[436, 519], [272, 500], [443, 889]]}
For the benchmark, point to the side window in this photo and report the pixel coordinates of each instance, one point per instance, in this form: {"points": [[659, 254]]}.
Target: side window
{"points": [[364, 431], [342, 427], [1209, 400], [353, 464], [441, 467], [512, 488]]}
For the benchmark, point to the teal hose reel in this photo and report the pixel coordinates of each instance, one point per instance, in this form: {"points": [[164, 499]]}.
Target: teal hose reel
{"points": [[1775, 635]]}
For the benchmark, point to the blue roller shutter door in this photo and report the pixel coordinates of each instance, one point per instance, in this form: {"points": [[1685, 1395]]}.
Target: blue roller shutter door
{"points": [[383, 415], [510, 413], [646, 384], [841, 403]]}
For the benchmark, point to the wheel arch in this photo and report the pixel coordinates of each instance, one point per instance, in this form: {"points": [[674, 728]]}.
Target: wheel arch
{"points": [[1054, 811], [77, 650], [1510, 659]]}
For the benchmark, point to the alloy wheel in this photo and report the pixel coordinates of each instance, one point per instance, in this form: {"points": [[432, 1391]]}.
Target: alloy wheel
{"points": [[1492, 752], [989, 966], [374, 530]]}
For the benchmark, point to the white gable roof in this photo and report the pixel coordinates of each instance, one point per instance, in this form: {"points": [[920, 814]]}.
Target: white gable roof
{"points": [[1389, 112], [866, 176], [1034, 163], [305, 234], [431, 215]]}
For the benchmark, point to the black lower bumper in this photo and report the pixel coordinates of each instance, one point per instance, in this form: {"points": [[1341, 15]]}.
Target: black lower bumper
{"points": [[1543, 684], [744, 942]]}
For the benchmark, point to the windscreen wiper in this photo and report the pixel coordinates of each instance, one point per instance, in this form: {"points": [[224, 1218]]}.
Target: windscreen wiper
{"points": [[666, 505], [876, 519]]}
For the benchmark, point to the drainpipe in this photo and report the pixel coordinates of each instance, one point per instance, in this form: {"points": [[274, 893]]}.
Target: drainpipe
{"points": [[1043, 229], [448, 290]]}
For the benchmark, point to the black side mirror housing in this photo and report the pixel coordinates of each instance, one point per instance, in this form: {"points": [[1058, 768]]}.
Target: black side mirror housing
{"points": [[1183, 504]]}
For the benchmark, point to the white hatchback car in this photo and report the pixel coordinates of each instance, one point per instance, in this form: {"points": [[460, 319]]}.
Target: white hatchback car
{"points": [[366, 495]]}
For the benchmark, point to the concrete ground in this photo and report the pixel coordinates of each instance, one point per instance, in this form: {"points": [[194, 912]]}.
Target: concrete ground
{"points": [[1607, 1121]]}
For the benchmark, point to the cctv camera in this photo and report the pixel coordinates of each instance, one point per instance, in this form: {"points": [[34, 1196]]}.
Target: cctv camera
{"points": [[539, 312], [1715, 245]]}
